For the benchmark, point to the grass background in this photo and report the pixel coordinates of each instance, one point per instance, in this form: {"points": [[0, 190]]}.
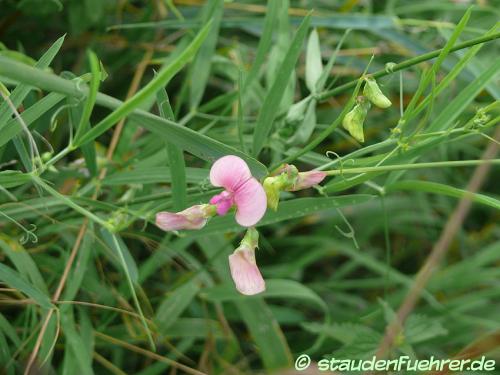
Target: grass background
{"points": [[125, 105]]}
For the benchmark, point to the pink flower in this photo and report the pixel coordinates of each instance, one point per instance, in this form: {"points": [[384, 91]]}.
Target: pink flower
{"points": [[194, 217], [244, 270], [293, 180], [241, 190], [307, 179]]}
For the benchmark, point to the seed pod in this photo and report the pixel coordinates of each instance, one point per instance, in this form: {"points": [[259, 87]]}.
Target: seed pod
{"points": [[353, 121], [374, 94]]}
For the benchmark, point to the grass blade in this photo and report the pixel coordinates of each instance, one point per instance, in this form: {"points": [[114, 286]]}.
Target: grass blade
{"points": [[273, 97]]}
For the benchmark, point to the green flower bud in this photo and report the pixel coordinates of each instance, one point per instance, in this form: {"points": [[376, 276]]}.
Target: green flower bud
{"points": [[284, 179], [272, 187], [374, 94], [296, 112], [353, 121]]}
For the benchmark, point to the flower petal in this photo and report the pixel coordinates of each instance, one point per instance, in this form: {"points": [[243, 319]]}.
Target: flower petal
{"points": [[223, 202], [251, 203], [194, 217], [229, 172], [308, 179], [245, 273]]}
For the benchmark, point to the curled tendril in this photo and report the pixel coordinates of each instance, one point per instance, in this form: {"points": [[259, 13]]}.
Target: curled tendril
{"points": [[53, 118], [79, 83], [341, 162], [42, 138], [29, 234], [348, 234], [389, 67]]}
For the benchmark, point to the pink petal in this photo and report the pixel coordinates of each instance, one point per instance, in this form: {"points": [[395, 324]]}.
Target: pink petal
{"points": [[245, 273], [251, 203], [229, 172], [307, 179], [223, 201], [193, 217]]}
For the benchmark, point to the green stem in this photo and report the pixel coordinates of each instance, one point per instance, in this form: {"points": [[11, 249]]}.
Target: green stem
{"points": [[70, 203], [407, 63], [384, 168], [326, 132], [132, 290]]}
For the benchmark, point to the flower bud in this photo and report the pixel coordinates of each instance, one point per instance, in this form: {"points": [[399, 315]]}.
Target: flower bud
{"points": [[194, 217], [283, 179], [297, 111], [244, 270], [308, 179], [272, 187], [353, 121], [374, 94]]}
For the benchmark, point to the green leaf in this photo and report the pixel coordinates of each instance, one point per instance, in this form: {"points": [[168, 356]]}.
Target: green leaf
{"points": [[419, 328], [17, 96], [273, 97], [130, 270], [175, 303], [15, 280], [23, 262], [275, 288], [164, 75], [194, 327], [287, 210], [449, 114], [9, 179], [314, 66], [30, 115], [266, 332], [75, 345], [189, 140], [200, 69], [175, 157], [264, 42], [78, 272], [153, 175], [437, 188]]}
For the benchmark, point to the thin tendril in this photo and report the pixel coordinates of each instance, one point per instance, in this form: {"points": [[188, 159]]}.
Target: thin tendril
{"points": [[28, 233], [351, 233]]}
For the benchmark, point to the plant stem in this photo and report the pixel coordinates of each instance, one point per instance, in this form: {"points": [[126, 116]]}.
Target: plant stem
{"points": [[407, 63], [70, 203], [384, 168]]}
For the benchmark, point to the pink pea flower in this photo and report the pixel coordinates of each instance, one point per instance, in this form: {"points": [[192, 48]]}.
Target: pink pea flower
{"points": [[241, 190], [295, 180], [288, 178], [194, 217], [244, 270], [308, 179]]}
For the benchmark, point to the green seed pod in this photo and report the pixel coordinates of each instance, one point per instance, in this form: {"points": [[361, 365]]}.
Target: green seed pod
{"points": [[353, 121], [374, 94]]}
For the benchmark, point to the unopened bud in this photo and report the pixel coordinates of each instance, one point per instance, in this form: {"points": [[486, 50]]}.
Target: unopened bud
{"points": [[272, 187], [194, 217], [374, 94]]}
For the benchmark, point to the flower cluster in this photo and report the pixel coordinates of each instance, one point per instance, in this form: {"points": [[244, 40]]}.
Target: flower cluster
{"points": [[250, 199]]}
